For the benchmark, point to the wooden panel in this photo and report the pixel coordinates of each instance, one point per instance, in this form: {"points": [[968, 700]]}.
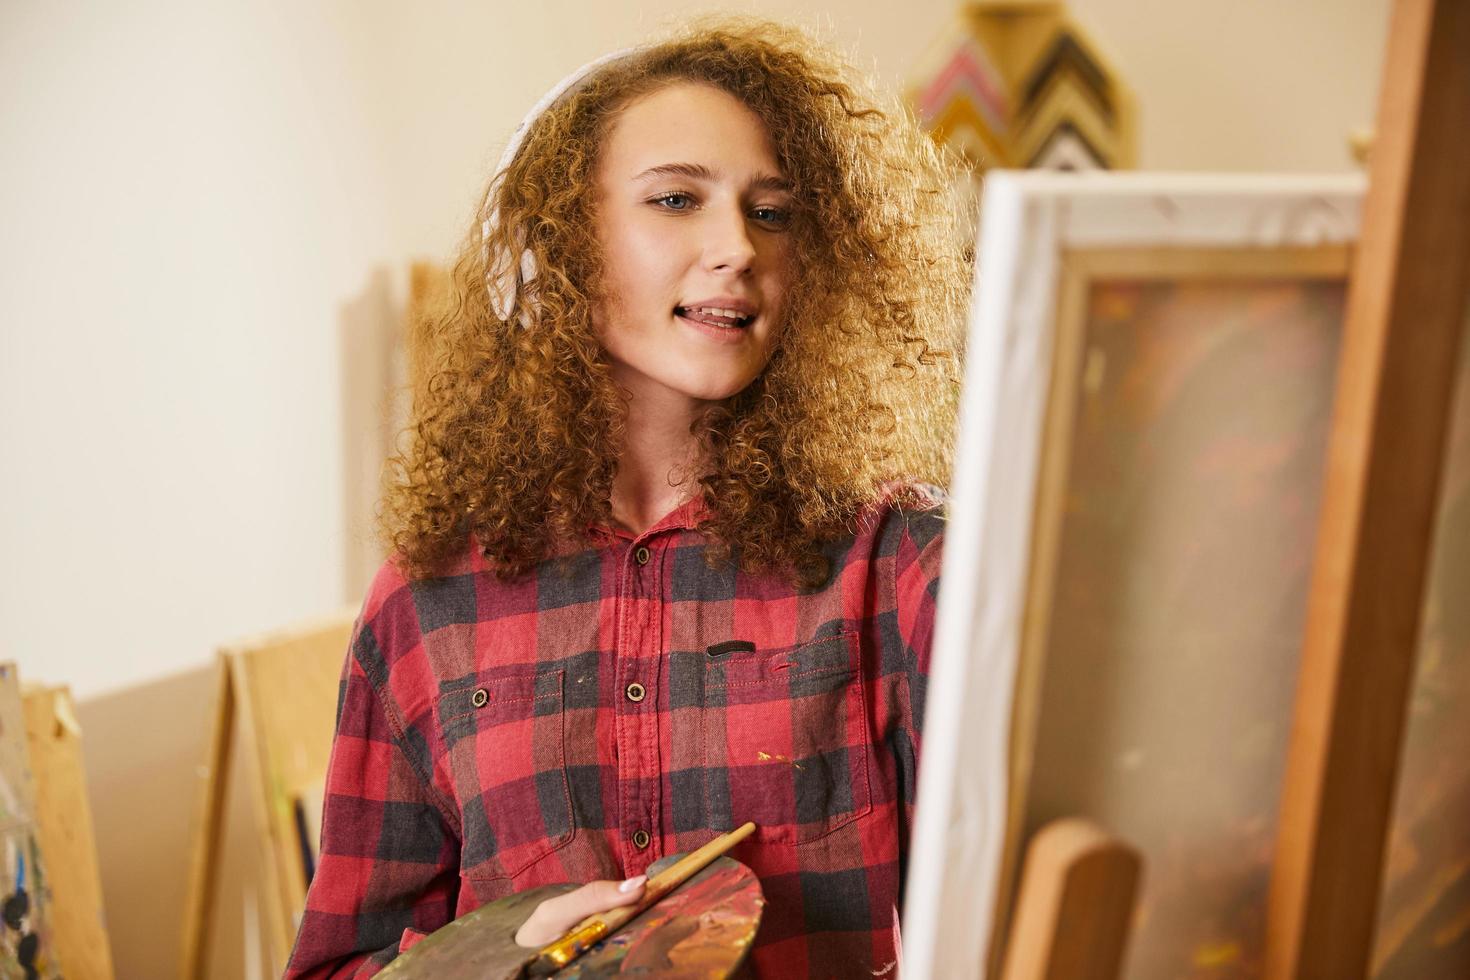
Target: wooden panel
{"points": [[286, 687], [64, 827], [1383, 474], [430, 295], [370, 340]]}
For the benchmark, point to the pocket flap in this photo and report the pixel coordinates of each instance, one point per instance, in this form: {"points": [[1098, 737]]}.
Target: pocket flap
{"points": [[835, 654]]}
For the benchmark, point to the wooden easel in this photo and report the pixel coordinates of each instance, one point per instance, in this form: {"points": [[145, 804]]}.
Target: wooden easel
{"points": [[1406, 306], [276, 698]]}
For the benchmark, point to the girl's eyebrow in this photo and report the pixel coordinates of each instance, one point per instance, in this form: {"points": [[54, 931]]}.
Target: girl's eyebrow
{"points": [[698, 171]]}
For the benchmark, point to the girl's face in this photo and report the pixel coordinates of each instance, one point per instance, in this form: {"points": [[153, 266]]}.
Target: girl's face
{"points": [[692, 215]]}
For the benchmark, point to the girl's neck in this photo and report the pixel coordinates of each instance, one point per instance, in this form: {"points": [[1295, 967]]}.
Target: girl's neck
{"points": [[656, 472]]}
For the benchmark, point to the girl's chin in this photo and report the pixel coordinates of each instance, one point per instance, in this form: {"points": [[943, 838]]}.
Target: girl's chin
{"points": [[709, 390]]}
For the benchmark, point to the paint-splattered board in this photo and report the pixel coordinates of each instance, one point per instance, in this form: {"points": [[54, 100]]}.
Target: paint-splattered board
{"points": [[701, 931], [26, 949], [64, 823]]}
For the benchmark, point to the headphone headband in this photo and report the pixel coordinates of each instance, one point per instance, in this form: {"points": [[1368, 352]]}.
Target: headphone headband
{"points": [[505, 275]]}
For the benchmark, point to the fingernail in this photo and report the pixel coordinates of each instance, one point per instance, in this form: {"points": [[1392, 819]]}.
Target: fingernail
{"points": [[632, 883]]}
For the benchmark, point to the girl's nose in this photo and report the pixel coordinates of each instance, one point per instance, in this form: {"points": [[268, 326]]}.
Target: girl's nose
{"points": [[728, 247]]}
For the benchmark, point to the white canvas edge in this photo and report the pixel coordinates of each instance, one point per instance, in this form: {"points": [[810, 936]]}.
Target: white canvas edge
{"points": [[1028, 218]]}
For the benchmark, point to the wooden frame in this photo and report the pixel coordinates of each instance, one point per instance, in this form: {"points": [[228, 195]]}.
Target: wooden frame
{"points": [[276, 701]]}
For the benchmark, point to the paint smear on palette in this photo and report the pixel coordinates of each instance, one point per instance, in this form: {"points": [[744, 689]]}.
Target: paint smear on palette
{"points": [[25, 898], [478, 946], [703, 929]]}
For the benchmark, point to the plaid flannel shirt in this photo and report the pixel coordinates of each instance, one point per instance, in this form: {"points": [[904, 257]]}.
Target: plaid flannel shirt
{"points": [[619, 704]]}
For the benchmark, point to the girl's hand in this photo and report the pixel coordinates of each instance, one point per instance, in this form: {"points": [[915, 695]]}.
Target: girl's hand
{"points": [[555, 917]]}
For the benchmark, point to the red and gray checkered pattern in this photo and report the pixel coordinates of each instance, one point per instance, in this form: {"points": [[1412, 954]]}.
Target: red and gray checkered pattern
{"points": [[620, 704]]}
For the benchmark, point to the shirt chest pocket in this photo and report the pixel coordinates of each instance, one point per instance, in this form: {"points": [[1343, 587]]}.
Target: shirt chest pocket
{"points": [[505, 741], [785, 738]]}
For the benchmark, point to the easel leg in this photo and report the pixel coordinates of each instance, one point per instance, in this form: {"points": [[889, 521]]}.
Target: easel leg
{"points": [[1395, 381], [204, 863]]}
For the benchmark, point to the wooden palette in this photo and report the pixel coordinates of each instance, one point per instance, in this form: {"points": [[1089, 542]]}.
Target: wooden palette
{"points": [[701, 931]]}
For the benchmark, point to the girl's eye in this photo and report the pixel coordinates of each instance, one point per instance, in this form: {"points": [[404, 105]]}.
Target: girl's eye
{"points": [[773, 216], [675, 201]]}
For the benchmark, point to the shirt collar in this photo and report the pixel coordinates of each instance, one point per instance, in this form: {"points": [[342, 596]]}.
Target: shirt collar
{"points": [[685, 517]]}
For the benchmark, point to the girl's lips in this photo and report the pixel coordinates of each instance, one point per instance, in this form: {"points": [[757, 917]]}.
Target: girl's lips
{"points": [[717, 316], [723, 335]]}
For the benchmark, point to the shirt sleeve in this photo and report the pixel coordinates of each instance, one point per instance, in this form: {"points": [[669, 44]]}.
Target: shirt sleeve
{"points": [[388, 872], [917, 556], [916, 595]]}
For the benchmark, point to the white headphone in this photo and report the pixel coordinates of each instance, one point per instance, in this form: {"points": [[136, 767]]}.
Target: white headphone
{"points": [[504, 275]]}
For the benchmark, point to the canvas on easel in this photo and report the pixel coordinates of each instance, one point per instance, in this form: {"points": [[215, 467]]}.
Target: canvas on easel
{"points": [[1149, 372], [1173, 554]]}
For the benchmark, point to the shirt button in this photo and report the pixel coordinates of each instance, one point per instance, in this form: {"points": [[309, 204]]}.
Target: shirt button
{"points": [[480, 698], [642, 555], [640, 839], [635, 692]]}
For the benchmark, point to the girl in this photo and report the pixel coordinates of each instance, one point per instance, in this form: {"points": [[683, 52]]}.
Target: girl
{"points": [[662, 562]]}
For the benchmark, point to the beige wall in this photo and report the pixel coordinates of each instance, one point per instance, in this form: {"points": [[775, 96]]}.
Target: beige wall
{"points": [[194, 194], [198, 197], [1245, 85]]}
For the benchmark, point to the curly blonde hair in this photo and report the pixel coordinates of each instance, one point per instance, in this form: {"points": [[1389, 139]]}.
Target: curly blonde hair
{"points": [[516, 430]]}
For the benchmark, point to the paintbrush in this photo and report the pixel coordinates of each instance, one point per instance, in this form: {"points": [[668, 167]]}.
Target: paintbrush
{"points": [[593, 929]]}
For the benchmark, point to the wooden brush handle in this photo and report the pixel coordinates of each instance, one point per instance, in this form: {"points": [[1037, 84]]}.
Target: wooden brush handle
{"points": [[595, 928]]}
